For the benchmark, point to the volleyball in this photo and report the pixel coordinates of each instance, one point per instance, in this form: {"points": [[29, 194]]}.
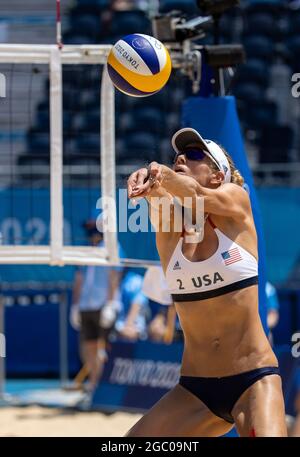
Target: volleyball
{"points": [[139, 65]]}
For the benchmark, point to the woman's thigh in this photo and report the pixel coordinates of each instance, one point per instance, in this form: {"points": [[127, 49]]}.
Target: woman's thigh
{"points": [[179, 413], [260, 410]]}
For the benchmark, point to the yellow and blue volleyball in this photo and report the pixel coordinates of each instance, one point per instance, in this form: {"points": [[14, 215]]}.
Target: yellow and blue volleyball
{"points": [[139, 65]]}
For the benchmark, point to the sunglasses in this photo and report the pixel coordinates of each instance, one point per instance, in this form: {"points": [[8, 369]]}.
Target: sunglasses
{"points": [[191, 154]]}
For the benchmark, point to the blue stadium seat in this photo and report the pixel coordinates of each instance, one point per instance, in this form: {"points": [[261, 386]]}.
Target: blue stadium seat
{"points": [[127, 22], [226, 27], [274, 7], [98, 3], [275, 144], [263, 24], [89, 122], [88, 144], [124, 156], [71, 99], [254, 70], [294, 23], [81, 76], [69, 75], [67, 122], [141, 145], [172, 123], [293, 47], [87, 24], [74, 37], [249, 92], [33, 160], [132, 162], [161, 100], [89, 7], [43, 105], [84, 160], [149, 117], [186, 6], [122, 102], [38, 142], [259, 47], [112, 39], [166, 152], [90, 99], [42, 123], [261, 114], [69, 144]]}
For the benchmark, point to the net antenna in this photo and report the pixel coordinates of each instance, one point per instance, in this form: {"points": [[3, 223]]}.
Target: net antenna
{"points": [[56, 253], [58, 25]]}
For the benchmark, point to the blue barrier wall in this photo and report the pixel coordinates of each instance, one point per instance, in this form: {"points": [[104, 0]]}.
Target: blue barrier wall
{"points": [[137, 375], [289, 316], [32, 333], [280, 209]]}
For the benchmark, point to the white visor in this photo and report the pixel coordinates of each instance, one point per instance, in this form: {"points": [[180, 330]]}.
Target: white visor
{"points": [[186, 136]]}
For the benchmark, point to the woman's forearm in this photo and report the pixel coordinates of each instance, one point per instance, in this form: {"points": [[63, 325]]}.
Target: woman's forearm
{"points": [[180, 186]]}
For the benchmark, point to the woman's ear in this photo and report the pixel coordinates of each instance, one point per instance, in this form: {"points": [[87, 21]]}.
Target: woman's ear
{"points": [[217, 177]]}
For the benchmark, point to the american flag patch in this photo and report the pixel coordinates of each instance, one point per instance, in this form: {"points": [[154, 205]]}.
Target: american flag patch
{"points": [[231, 256]]}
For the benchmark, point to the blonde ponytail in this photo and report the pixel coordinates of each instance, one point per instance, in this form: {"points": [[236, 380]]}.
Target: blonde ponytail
{"points": [[237, 178]]}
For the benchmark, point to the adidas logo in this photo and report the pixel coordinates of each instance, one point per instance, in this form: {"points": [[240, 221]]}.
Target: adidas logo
{"points": [[177, 266]]}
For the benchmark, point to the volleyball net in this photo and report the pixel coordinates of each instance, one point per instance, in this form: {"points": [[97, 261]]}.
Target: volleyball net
{"points": [[22, 63]]}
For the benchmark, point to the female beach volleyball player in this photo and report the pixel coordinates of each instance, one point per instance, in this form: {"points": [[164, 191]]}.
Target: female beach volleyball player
{"points": [[229, 374]]}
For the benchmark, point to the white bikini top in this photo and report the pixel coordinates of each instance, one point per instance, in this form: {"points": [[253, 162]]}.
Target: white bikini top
{"points": [[230, 268]]}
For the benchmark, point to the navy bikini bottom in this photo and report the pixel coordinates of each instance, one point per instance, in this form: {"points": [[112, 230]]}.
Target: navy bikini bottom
{"points": [[221, 394]]}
